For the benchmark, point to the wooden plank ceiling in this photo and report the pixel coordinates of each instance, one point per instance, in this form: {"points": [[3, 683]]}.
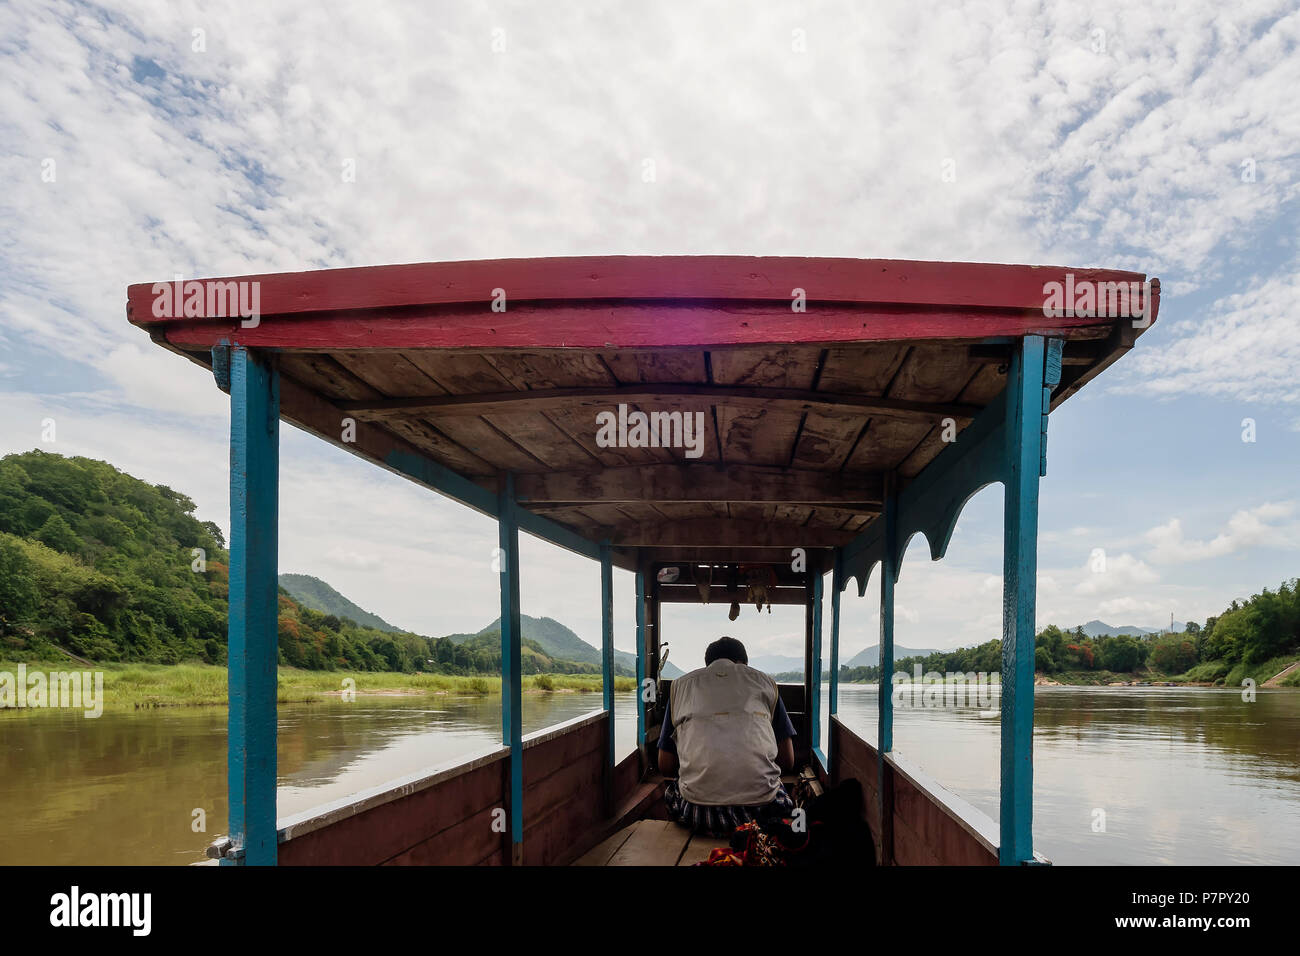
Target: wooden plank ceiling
{"points": [[788, 458]]}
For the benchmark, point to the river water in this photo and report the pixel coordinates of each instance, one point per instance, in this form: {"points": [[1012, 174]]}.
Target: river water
{"points": [[1181, 775]]}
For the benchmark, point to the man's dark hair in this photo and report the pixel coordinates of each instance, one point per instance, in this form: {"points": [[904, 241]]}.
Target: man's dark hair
{"points": [[727, 648]]}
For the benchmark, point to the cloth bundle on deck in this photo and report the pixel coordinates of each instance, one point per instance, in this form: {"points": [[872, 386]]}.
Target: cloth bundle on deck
{"points": [[831, 832]]}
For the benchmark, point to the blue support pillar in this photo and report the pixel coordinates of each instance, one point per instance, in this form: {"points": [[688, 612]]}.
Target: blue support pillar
{"points": [[253, 606], [607, 664], [815, 683], [512, 732], [888, 576], [885, 709], [837, 585], [1027, 404], [640, 665]]}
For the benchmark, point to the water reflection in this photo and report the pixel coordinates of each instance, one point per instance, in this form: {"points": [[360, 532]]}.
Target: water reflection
{"points": [[1182, 775], [1179, 775], [123, 789]]}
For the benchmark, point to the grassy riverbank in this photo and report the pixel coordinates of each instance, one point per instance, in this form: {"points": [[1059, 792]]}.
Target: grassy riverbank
{"points": [[1206, 674], [133, 686]]}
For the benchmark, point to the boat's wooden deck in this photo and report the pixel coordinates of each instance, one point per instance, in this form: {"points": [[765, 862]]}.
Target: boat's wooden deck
{"points": [[651, 843]]}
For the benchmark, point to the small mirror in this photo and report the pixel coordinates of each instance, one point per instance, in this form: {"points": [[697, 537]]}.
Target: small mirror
{"points": [[669, 575]]}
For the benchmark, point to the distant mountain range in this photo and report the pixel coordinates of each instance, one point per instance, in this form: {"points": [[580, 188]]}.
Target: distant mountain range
{"points": [[870, 657], [777, 663], [555, 639], [1102, 629]]}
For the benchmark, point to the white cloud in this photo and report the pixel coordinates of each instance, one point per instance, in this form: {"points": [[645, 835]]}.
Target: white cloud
{"points": [[1119, 572], [1124, 607], [153, 378], [903, 612], [1244, 347], [1264, 526], [345, 558], [230, 160]]}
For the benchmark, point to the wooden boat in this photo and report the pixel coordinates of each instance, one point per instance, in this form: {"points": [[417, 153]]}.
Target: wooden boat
{"points": [[847, 405]]}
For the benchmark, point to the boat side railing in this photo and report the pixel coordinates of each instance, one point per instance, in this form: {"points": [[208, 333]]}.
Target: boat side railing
{"points": [[455, 811], [317, 818], [914, 819]]}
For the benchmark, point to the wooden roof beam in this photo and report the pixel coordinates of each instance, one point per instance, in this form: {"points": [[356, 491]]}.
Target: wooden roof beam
{"points": [[540, 400], [703, 482], [1086, 352], [745, 555], [727, 533], [718, 594]]}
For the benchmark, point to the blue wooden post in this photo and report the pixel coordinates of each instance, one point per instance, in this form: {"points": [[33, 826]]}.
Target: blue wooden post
{"points": [[885, 707], [888, 576], [640, 663], [816, 681], [253, 644], [512, 731], [1027, 404], [607, 661], [837, 584]]}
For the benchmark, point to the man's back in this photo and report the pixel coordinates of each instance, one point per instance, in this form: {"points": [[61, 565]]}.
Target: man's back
{"points": [[722, 721]]}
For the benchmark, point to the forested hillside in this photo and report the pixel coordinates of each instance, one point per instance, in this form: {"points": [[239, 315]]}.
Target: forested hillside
{"points": [[107, 567], [561, 643], [314, 593], [99, 563]]}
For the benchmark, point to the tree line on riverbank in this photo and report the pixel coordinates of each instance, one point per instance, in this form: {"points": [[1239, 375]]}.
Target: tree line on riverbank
{"points": [[104, 566], [1255, 638]]}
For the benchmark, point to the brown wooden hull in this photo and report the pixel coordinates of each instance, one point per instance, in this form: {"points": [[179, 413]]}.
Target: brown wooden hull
{"points": [[914, 820], [446, 817]]}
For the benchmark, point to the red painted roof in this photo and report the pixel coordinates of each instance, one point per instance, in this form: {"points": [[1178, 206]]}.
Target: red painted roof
{"points": [[633, 301]]}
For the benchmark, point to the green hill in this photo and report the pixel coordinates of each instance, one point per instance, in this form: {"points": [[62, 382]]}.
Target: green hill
{"points": [[560, 642], [533, 657], [316, 594], [554, 637], [97, 563]]}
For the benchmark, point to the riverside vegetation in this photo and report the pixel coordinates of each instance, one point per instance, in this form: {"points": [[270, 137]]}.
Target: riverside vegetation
{"points": [[104, 568], [1254, 640], [110, 571]]}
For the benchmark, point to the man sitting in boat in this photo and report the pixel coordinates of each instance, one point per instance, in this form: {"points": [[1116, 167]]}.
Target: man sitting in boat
{"points": [[727, 736]]}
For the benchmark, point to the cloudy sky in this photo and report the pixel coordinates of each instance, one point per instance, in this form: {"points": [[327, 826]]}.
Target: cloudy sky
{"points": [[145, 139]]}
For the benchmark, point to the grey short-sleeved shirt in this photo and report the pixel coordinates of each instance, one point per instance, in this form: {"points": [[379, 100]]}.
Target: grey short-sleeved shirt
{"points": [[782, 726]]}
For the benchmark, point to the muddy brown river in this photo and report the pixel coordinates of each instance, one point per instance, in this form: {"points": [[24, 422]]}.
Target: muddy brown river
{"points": [[1179, 775]]}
